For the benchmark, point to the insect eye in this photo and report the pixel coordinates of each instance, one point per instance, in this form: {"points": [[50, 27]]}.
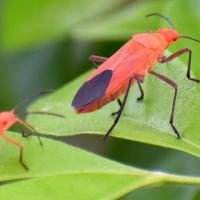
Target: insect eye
{"points": [[174, 37]]}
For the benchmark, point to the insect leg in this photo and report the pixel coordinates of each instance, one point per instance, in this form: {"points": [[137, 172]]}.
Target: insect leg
{"points": [[178, 53], [138, 99], [21, 159], [24, 134], [120, 104], [140, 79], [16, 143], [31, 128], [120, 111], [174, 85], [149, 30], [45, 113], [94, 59], [141, 91]]}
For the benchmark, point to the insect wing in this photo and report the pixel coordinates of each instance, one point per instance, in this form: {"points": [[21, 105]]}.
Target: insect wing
{"points": [[92, 90]]}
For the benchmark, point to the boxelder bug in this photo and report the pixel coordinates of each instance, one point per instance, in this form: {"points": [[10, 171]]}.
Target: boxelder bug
{"points": [[129, 65], [9, 118]]}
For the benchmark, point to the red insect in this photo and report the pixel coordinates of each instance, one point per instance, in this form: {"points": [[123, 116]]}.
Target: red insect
{"points": [[129, 65], [9, 118]]}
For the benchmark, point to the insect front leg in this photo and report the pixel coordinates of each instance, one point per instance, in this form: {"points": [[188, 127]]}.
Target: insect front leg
{"points": [[174, 85], [16, 143], [120, 111], [21, 160], [178, 53], [45, 113], [94, 59]]}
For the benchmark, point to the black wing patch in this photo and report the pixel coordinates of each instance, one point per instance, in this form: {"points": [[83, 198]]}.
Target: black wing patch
{"points": [[92, 90]]}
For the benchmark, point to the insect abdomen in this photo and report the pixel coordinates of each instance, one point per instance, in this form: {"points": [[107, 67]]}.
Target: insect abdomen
{"points": [[105, 99]]}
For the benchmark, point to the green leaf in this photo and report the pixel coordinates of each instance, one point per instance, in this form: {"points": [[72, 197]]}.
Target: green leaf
{"points": [[196, 196], [91, 185], [187, 25], [31, 23], [171, 192], [146, 121], [187, 164], [130, 20], [60, 171], [121, 25], [51, 159]]}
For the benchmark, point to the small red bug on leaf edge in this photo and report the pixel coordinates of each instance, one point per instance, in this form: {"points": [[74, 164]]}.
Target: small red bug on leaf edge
{"points": [[9, 118]]}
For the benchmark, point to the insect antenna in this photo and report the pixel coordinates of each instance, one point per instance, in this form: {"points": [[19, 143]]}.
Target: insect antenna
{"points": [[45, 113], [162, 16], [194, 39], [31, 97]]}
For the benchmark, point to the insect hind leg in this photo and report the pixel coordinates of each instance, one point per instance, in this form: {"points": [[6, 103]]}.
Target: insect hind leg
{"points": [[94, 59]]}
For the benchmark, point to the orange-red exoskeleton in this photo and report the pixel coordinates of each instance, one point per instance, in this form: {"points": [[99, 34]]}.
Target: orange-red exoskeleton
{"points": [[9, 118], [130, 65]]}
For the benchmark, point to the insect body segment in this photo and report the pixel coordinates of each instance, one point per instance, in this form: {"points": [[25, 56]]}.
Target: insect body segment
{"points": [[130, 65], [134, 60], [7, 119]]}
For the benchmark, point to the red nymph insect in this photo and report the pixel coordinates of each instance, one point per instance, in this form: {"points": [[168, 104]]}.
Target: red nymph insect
{"points": [[129, 65], [9, 118]]}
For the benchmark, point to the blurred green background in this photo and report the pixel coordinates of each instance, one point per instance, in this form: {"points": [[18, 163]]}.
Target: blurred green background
{"points": [[45, 44]]}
